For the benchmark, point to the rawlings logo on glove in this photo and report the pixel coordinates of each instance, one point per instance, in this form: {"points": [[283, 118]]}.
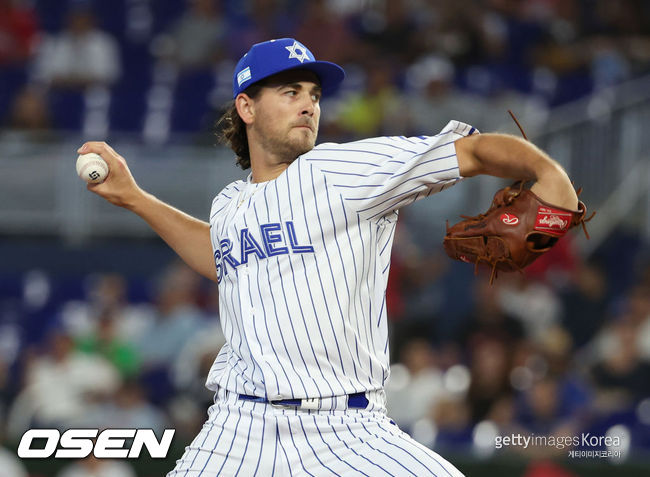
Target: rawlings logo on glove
{"points": [[509, 219], [552, 220]]}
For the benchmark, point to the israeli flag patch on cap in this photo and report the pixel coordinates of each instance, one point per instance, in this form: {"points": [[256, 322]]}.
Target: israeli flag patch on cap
{"points": [[244, 75], [275, 56]]}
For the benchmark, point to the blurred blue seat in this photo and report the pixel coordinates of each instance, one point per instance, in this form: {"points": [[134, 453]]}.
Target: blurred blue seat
{"points": [[192, 102], [51, 15], [67, 107], [165, 13], [111, 16], [12, 79], [129, 95]]}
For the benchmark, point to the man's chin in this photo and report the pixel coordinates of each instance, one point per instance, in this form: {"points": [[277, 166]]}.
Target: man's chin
{"points": [[307, 149], [303, 146]]}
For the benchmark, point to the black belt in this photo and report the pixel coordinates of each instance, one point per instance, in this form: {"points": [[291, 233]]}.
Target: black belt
{"points": [[356, 401]]}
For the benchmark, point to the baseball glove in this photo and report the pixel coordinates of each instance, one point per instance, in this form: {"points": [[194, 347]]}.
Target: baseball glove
{"points": [[517, 229]]}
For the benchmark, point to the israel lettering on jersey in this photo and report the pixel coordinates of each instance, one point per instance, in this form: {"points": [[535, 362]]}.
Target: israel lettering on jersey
{"points": [[302, 264]]}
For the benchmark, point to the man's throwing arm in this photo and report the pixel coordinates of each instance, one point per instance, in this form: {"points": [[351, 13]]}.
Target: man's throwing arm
{"points": [[506, 156], [187, 236]]}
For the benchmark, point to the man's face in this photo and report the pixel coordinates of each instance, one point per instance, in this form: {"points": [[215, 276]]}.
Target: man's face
{"points": [[287, 114]]}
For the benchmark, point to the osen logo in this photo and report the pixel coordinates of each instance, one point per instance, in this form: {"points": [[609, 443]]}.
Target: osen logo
{"points": [[79, 443]]}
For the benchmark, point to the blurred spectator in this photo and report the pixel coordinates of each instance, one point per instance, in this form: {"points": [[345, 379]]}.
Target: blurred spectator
{"points": [[532, 302], [559, 54], [636, 307], [91, 466], [59, 385], [389, 28], [326, 32], [490, 362], [194, 360], [179, 316], [10, 348], [195, 40], [375, 109], [609, 65], [18, 32], [551, 355], [488, 319], [466, 34], [584, 303], [30, 112], [4, 388], [106, 343], [254, 21], [452, 418], [127, 408], [423, 291], [21, 107], [642, 320], [543, 410], [622, 377], [188, 372], [107, 294], [81, 55], [434, 100], [414, 292], [416, 383], [553, 398], [10, 465], [502, 414]]}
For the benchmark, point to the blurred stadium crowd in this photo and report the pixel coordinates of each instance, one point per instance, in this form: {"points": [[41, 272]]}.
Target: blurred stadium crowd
{"points": [[160, 67], [560, 350]]}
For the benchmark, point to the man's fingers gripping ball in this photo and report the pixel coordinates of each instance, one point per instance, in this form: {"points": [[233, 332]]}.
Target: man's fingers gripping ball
{"points": [[92, 168]]}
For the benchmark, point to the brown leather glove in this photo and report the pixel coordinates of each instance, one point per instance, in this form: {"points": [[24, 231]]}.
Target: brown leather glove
{"points": [[517, 229]]}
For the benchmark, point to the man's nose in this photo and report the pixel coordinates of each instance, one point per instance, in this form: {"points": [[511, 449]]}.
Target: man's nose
{"points": [[308, 106]]}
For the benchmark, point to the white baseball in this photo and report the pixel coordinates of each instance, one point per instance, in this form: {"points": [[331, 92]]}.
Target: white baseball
{"points": [[92, 168]]}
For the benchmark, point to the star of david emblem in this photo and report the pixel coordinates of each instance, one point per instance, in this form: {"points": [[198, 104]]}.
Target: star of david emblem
{"points": [[298, 52]]}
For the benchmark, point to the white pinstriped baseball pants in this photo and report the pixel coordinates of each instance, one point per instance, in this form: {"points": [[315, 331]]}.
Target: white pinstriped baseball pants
{"points": [[247, 439]]}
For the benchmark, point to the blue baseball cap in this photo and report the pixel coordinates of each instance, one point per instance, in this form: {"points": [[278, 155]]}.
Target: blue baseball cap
{"points": [[274, 56]]}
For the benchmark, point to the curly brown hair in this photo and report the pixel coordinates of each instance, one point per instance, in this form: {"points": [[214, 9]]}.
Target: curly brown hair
{"points": [[231, 129]]}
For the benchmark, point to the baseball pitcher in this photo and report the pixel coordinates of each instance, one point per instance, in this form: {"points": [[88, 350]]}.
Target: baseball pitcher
{"points": [[300, 251]]}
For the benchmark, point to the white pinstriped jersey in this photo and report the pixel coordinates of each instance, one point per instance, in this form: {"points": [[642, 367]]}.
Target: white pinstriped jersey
{"points": [[302, 264]]}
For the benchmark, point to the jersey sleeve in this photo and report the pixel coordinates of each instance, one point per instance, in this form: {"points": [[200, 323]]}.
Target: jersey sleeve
{"points": [[377, 176]]}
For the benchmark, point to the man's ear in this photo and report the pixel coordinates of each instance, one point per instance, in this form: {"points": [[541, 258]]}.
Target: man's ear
{"points": [[245, 107]]}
